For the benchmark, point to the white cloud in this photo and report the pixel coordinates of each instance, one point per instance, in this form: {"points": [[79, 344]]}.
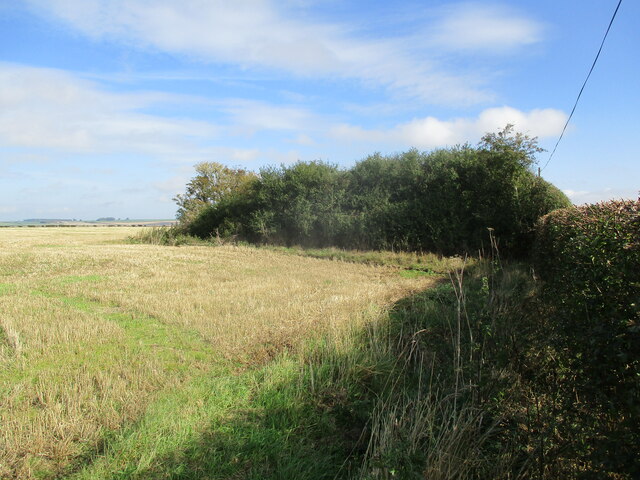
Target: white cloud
{"points": [[430, 132], [261, 33], [276, 157], [244, 155], [24, 158], [484, 27], [250, 116], [546, 122], [46, 108], [53, 109], [580, 197]]}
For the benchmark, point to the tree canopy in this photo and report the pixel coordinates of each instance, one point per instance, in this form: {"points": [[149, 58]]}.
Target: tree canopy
{"points": [[212, 183]]}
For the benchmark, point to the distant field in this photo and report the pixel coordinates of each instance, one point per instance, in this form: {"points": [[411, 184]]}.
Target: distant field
{"points": [[97, 334], [81, 223]]}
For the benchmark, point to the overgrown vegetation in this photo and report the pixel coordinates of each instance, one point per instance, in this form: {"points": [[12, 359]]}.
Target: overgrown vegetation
{"points": [[442, 201], [173, 236], [496, 375]]}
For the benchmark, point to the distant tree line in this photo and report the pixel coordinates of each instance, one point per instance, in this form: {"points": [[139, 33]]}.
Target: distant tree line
{"points": [[443, 201]]}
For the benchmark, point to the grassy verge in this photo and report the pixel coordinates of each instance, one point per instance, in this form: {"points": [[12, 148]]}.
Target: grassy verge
{"points": [[256, 424]]}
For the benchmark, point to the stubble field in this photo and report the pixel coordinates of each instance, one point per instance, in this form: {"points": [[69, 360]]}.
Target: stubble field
{"points": [[114, 355]]}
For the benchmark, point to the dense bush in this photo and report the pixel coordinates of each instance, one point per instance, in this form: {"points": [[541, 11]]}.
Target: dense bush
{"points": [[588, 260], [466, 191], [300, 204], [443, 201]]}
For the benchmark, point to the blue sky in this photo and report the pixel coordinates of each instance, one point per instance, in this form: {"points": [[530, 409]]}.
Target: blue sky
{"points": [[106, 105]]}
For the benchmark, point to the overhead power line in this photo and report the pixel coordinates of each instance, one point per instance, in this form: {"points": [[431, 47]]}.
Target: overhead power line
{"points": [[584, 84]]}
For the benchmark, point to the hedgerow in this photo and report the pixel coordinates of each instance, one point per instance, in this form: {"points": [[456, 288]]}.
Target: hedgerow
{"points": [[588, 262], [441, 201]]}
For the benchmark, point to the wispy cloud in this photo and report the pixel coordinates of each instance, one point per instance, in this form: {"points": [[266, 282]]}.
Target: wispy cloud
{"points": [[262, 33], [46, 108], [52, 109], [172, 185], [488, 28], [250, 116], [430, 132], [304, 140]]}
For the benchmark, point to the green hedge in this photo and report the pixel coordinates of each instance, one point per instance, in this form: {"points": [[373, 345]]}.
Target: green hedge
{"points": [[588, 262], [442, 201]]}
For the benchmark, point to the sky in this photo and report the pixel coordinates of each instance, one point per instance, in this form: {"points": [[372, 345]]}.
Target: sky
{"points": [[107, 105]]}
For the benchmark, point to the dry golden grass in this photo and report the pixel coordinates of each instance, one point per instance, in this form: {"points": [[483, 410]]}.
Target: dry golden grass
{"points": [[92, 328]]}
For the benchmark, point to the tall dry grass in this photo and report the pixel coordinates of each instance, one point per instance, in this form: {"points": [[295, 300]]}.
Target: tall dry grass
{"points": [[92, 328]]}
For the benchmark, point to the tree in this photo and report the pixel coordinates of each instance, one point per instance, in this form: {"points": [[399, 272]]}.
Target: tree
{"points": [[212, 183], [522, 146]]}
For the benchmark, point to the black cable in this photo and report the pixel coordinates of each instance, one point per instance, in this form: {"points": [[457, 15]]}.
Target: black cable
{"points": [[583, 85]]}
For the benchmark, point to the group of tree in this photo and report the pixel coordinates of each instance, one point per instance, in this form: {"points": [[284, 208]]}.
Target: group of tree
{"points": [[445, 200]]}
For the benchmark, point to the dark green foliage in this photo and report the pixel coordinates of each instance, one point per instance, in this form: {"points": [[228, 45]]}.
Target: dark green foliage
{"points": [[174, 235], [443, 201], [588, 259], [300, 204], [468, 190], [225, 219], [384, 194]]}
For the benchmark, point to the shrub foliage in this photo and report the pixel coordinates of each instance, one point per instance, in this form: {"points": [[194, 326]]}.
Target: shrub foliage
{"points": [[442, 201], [588, 260]]}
